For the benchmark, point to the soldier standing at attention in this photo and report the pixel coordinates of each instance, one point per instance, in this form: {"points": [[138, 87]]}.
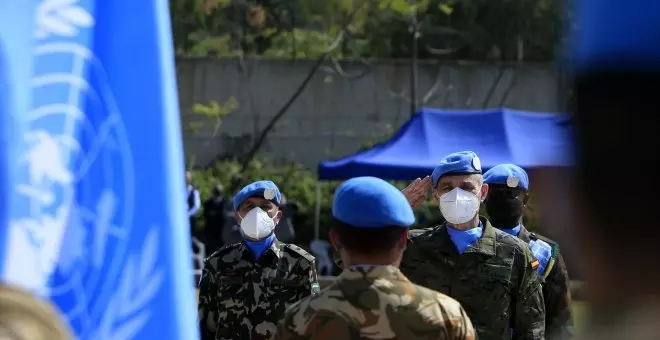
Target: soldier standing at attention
{"points": [[246, 287], [371, 299], [491, 273], [508, 194]]}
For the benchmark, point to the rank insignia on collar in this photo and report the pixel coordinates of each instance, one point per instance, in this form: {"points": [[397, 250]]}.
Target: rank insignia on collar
{"points": [[535, 264]]}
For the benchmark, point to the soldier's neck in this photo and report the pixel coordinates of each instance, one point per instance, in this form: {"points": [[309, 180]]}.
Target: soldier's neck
{"points": [[362, 260]]}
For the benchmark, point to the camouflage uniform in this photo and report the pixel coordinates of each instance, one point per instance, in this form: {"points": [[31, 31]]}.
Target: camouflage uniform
{"points": [[240, 298], [376, 302], [556, 292], [495, 280]]}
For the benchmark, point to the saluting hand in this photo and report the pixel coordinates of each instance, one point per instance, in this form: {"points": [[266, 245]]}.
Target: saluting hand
{"points": [[417, 190]]}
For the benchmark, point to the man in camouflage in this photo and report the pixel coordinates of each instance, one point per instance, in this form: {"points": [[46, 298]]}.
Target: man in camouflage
{"points": [[371, 299], [246, 287], [508, 194], [492, 274]]}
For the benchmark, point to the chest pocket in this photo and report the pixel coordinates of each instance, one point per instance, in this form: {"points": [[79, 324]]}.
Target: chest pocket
{"points": [[495, 284], [484, 290], [232, 292]]}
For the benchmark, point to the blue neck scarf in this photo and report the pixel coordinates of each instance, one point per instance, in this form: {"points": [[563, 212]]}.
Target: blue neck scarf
{"points": [[464, 238], [512, 231], [258, 248]]}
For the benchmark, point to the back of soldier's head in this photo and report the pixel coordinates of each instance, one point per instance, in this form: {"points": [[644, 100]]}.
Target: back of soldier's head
{"points": [[371, 217], [617, 64], [23, 317]]}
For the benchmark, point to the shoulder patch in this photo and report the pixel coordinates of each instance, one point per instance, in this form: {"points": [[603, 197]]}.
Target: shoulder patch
{"points": [[316, 288], [534, 264], [535, 236], [554, 245], [300, 252], [555, 251]]}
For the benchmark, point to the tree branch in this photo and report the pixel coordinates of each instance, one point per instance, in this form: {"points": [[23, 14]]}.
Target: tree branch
{"points": [[337, 69], [271, 124], [507, 92], [493, 87], [430, 94]]}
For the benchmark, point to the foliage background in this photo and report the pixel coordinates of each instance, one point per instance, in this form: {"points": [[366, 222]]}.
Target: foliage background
{"points": [[295, 29]]}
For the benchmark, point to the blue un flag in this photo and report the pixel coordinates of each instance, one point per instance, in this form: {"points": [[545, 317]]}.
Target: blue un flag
{"points": [[15, 72], [98, 223]]}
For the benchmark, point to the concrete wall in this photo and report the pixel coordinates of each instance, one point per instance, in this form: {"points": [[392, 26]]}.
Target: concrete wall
{"points": [[336, 114]]}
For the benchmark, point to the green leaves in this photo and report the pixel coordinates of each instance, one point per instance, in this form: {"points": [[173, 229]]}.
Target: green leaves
{"points": [[213, 110], [305, 28], [446, 9], [404, 7]]}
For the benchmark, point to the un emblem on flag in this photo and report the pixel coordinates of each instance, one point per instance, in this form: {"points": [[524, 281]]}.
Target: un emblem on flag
{"points": [[77, 190]]}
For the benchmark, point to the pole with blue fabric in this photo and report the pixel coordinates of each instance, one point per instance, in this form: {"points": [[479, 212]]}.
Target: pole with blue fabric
{"points": [[100, 227]]}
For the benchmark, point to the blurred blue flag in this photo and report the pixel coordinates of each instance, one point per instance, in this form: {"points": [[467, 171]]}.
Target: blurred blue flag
{"points": [[99, 226], [15, 72]]}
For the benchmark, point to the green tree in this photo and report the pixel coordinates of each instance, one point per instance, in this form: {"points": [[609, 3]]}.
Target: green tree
{"points": [[290, 29]]}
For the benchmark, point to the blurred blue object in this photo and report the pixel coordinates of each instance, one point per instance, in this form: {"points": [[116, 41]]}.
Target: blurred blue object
{"points": [[615, 34], [100, 226], [15, 72]]}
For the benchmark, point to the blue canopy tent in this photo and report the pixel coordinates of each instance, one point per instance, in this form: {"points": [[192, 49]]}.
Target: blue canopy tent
{"points": [[529, 139]]}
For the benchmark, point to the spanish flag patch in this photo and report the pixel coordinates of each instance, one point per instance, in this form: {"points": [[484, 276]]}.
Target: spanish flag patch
{"points": [[535, 264]]}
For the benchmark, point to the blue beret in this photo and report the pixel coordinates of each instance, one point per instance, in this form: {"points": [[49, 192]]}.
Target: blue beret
{"points": [[370, 202], [457, 163], [264, 189], [510, 175], [612, 35]]}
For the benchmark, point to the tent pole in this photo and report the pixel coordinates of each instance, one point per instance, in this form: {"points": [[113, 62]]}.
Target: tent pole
{"points": [[317, 211]]}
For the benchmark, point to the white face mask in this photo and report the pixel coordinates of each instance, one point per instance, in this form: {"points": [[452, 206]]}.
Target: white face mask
{"points": [[257, 224], [459, 206]]}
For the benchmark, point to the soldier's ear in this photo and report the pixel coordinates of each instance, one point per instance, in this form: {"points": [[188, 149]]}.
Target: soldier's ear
{"points": [[404, 240], [277, 216], [238, 217], [526, 198], [484, 191], [333, 236]]}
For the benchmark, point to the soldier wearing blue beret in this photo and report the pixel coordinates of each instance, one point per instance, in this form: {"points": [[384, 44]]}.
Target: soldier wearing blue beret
{"points": [[508, 194], [246, 287], [491, 273], [370, 230]]}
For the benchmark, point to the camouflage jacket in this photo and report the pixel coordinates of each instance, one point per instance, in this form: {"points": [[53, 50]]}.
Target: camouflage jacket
{"points": [[495, 280], [240, 298], [375, 303], [556, 292]]}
